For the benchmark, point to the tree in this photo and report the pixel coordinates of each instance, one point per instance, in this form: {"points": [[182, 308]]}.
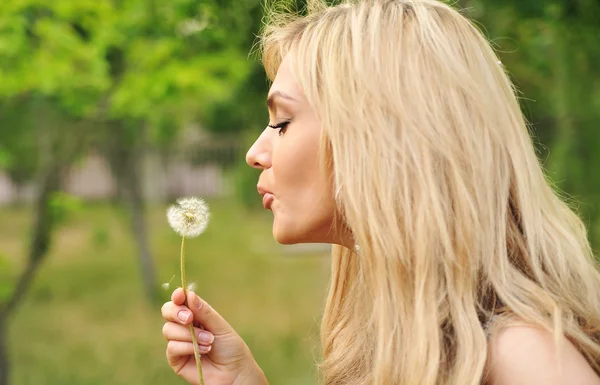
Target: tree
{"points": [[134, 70], [56, 152]]}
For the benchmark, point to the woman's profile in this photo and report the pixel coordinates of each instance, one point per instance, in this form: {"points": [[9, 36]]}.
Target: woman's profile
{"points": [[395, 135]]}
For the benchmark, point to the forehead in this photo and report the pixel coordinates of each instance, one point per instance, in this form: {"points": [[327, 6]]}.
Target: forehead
{"points": [[285, 81]]}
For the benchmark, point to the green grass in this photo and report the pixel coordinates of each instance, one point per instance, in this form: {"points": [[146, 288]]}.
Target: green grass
{"points": [[86, 322]]}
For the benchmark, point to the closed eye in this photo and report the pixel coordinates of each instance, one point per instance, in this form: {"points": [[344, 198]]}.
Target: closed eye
{"points": [[281, 126]]}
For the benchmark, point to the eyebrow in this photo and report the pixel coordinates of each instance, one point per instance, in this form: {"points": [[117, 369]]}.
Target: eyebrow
{"points": [[275, 94]]}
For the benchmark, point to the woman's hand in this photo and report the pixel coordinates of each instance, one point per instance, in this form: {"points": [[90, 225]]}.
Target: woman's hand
{"points": [[226, 360]]}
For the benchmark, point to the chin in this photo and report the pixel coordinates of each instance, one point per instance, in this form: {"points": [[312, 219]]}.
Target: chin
{"points": [[289, 233], [286, 237], [289, 230]]}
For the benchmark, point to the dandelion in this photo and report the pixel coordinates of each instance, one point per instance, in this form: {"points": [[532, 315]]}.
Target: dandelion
{"points": [[189, 218]]}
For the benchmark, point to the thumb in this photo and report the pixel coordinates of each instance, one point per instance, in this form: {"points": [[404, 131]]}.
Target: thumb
{"points": [[206, 316]]}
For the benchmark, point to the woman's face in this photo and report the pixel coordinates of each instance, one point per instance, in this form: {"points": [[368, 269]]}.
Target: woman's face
{"points": [[293, 185]]}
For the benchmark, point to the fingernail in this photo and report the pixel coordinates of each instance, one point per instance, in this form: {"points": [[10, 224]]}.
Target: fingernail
{"points": [[198, 302], [206, 337], [183, 315], [204, 348]]}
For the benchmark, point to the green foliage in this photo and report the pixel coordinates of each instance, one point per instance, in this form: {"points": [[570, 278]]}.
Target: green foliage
{"points": [[19, 154], [4, 158], [64, 206], [551, 50], [163, 64]]}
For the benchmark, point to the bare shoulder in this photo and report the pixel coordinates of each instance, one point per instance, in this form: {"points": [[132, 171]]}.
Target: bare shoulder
{"points": [[522, 354]]}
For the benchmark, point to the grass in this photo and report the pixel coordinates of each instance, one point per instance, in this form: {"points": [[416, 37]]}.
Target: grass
{"points": [[86, 322]]}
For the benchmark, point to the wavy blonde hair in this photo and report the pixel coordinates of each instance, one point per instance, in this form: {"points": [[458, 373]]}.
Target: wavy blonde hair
{"points": [[436, 176]]}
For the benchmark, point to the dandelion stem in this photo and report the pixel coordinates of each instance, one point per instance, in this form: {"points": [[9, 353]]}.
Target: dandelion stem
{"points": [[184, 286]]}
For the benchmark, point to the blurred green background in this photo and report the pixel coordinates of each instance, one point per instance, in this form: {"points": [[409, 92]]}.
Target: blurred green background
{"points": [[111, 109]]}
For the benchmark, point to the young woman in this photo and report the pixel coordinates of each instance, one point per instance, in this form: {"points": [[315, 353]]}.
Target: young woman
{"points": [[395, 135]]}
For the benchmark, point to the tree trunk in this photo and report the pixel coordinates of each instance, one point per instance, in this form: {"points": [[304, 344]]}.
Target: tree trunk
{"points": [[40, 241], [135, 200], [38, 249], [4, 365], [124, 152]]}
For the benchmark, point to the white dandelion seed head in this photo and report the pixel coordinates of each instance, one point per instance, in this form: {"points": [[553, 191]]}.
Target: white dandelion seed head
{"points": [[189, 217], [192, 286]]}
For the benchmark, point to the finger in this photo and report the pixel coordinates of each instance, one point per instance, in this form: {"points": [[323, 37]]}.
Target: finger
{"points": [[178, 349], [175, 313], [177, 297], [176, 332], [206, 316]]}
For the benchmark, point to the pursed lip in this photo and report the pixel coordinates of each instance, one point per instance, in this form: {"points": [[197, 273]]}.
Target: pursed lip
{"points": [[267, 196]]}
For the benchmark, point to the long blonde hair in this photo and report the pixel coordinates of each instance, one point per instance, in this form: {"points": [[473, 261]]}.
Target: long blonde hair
{"points": [[436, 176]]}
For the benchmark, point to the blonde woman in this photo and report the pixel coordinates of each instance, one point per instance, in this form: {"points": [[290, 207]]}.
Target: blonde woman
{"points": [[395, 135]]}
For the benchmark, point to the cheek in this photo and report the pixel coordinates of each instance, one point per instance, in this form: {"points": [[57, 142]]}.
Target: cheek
{"points": [[304, 208], [295, 162]]}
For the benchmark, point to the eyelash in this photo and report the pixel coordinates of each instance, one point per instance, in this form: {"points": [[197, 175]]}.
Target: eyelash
{"points": [[281, 126]]}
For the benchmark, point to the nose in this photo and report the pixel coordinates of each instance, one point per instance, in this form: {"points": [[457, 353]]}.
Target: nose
{"points": [[259, 155]]}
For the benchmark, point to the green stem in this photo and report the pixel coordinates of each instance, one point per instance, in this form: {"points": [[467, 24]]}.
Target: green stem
{"points": [[194, 342]]}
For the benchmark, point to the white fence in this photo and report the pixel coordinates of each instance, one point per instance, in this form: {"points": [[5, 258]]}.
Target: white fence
{"points": [[91, 178]]}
